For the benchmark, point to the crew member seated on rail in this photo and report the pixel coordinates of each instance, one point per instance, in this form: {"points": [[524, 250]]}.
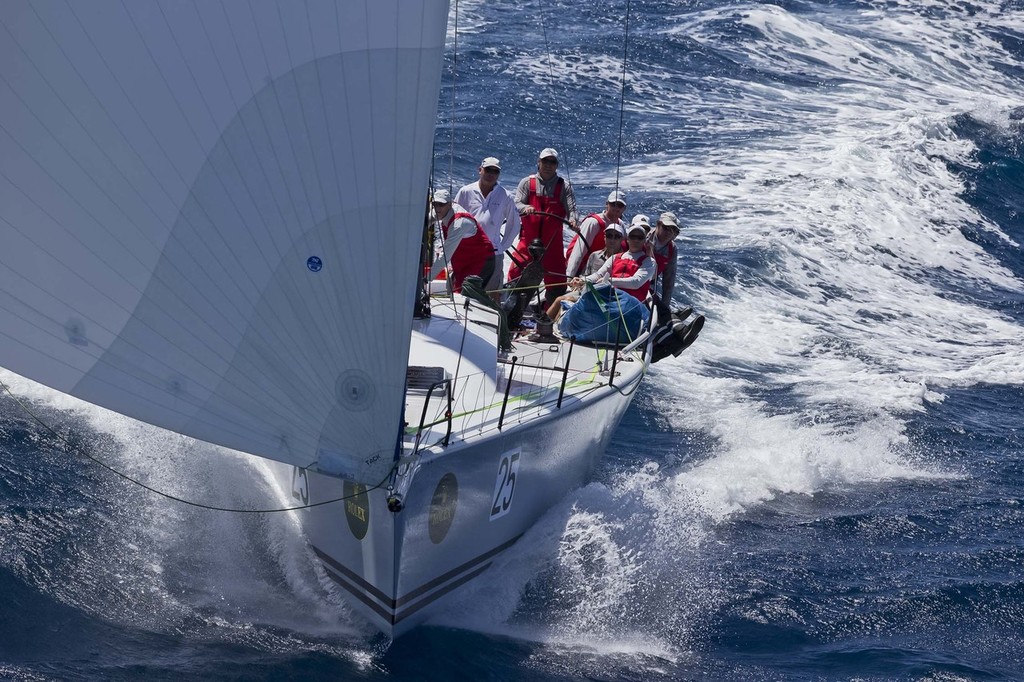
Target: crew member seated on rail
{"points": [[641, 220], [466, 249], [590, 239], [613, 238], [663, 247], [631, 271]]}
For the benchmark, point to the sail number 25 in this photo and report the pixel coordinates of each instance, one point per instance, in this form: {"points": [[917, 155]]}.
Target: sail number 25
{"points": [[505, 484]]}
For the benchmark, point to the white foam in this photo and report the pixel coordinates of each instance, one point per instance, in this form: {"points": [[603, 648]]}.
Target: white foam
{"points": [[840, 200], [604, 580], [237, 577], [839, 194], [844, 317]]}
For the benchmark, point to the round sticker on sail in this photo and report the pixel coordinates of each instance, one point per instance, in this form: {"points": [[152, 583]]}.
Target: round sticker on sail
{"points": [[354, 389], [314, 264]]}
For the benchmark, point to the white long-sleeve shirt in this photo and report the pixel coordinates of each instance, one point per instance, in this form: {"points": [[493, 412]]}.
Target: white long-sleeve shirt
{"points": [[491, 212], [589, 229], [646, 271], [459, 229]]}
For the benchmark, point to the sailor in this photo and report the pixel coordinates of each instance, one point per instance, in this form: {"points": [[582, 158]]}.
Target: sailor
{"points": [[549, 194], [492, 206], [613, 238], [465, 248], [641, 220], [614, 241], [590, 239], [631, 271], [662, 241]]}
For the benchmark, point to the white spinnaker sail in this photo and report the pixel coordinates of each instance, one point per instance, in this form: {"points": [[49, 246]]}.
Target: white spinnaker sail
{"points": [[210, 213]]}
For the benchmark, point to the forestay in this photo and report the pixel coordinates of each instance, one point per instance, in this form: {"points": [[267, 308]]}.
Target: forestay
{"points": [[210, 213]]}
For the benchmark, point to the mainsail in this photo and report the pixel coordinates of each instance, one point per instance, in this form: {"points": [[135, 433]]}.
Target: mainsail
{"points": [[209, 213]]}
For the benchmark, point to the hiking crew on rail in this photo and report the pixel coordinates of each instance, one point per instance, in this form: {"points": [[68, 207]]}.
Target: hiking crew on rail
{"points": [[477, 232]]}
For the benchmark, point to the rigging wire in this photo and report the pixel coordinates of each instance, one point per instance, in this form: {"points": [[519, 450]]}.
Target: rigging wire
{"points": [[451, 151], [622, 92], [455, 71], [71, 447], [554, 91], [622, 97]]}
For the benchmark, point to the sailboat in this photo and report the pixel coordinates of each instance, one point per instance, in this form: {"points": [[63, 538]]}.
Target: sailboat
{"points": [[210, 219]]}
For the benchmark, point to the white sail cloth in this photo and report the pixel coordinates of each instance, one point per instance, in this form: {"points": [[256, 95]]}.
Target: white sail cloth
{"points": [[192, 198]]}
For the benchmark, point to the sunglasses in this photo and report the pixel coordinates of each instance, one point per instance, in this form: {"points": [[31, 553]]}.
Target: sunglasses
{"points": [[492, 170], [636, 236], [552, 162]]}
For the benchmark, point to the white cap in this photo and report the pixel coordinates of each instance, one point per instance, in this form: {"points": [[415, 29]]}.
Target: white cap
{"points": [[617, 198], [641, 220], [490, 162], [442, 196], [616, 227], [546, 152], [637, 228]]}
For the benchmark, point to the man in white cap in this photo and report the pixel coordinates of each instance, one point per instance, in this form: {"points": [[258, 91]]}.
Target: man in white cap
{"points": [[614, 237], [466, 249], [590, 239], [641, 220], [544, 201], [492, 206], [662, 241]]}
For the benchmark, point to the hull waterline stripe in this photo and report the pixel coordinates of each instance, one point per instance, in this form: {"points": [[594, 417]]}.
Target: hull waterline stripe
{"points": [[386, 608], [388, 616], [440, 593], [355, 578], [426, 587]]}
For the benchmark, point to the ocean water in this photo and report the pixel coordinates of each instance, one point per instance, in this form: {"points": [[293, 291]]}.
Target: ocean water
{"points": [[829, 485]]}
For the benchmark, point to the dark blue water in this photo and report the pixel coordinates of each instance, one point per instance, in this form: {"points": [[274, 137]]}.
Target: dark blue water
{"points": [[829, 485]]}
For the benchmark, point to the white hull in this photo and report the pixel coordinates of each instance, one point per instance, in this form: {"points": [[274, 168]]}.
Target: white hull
{"points": [[464, 504], [158, 261]]}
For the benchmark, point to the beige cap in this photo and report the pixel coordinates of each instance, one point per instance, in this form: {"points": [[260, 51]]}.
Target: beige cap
{"points": [[490, 162], [548, 152], [669, 218], [442, 196]]}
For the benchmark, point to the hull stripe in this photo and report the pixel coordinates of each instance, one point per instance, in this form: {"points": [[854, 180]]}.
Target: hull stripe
{"points": [[426, 587], [355, 577], [388, 616], [464, 579], [387, 607]]}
